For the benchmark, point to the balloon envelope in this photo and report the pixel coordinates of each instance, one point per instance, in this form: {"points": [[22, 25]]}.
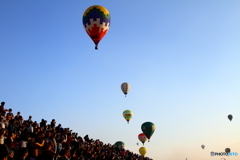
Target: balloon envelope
{"points": [[202, 146], [143, 151], [142, 138], [125, 88], [148, 129], [119, 144], [96, 21], [230, 117], [127, 114]]}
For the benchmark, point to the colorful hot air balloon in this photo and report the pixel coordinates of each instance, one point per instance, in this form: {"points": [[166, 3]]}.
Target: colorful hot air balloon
{"points": [[230, 117], [119, 144], [127, 114], [142, 138], [148, 129], [96, 21], [143, 151], [125, 88], [202, 146]]}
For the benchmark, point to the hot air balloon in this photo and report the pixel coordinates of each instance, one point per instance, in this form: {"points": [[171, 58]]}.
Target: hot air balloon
{"points": [[142, 138], [119, 144], [202, 146], [96, 21], [125, 88], [142, 151], [230, 117], [228, 150], [137, 143], [148, 129], [127, 114]]}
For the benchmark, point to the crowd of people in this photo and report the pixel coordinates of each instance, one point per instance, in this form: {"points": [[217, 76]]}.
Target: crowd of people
{"points": [[28, 140]]}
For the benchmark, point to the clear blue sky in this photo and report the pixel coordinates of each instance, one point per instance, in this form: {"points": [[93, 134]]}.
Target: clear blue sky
{"points": [[181, 58]]}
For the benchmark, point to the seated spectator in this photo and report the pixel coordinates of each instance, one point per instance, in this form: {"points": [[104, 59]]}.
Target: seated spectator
{"points": [[11, 141], [48, 153], [11, 155], [64, 155], [3, 152], [22, 154], [33, 154]]}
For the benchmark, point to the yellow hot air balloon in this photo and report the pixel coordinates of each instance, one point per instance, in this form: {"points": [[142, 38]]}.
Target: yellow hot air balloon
{"points": [[142, 151], [125, 88], [127, 114]]}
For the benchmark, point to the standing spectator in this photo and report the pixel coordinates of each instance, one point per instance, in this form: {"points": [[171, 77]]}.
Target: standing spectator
{"points": [[12, 127], [6, 122], [18, 121], [53, 122], [10, 114], [2, 124], [53, 141], [43, 124], [59, 128], [2, 135], [39, 143], [2, 110], [18, 115], [30, 127], [30, 119]]}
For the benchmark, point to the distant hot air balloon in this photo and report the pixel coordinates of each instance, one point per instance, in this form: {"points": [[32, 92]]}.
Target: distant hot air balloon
{"points": [[202, 146], [148, 129], [230, 117], [125, 88], [119, 144], [96, 21], [227, 150], [143, 151], [142, 138], [127, 114], [137, 143]]}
